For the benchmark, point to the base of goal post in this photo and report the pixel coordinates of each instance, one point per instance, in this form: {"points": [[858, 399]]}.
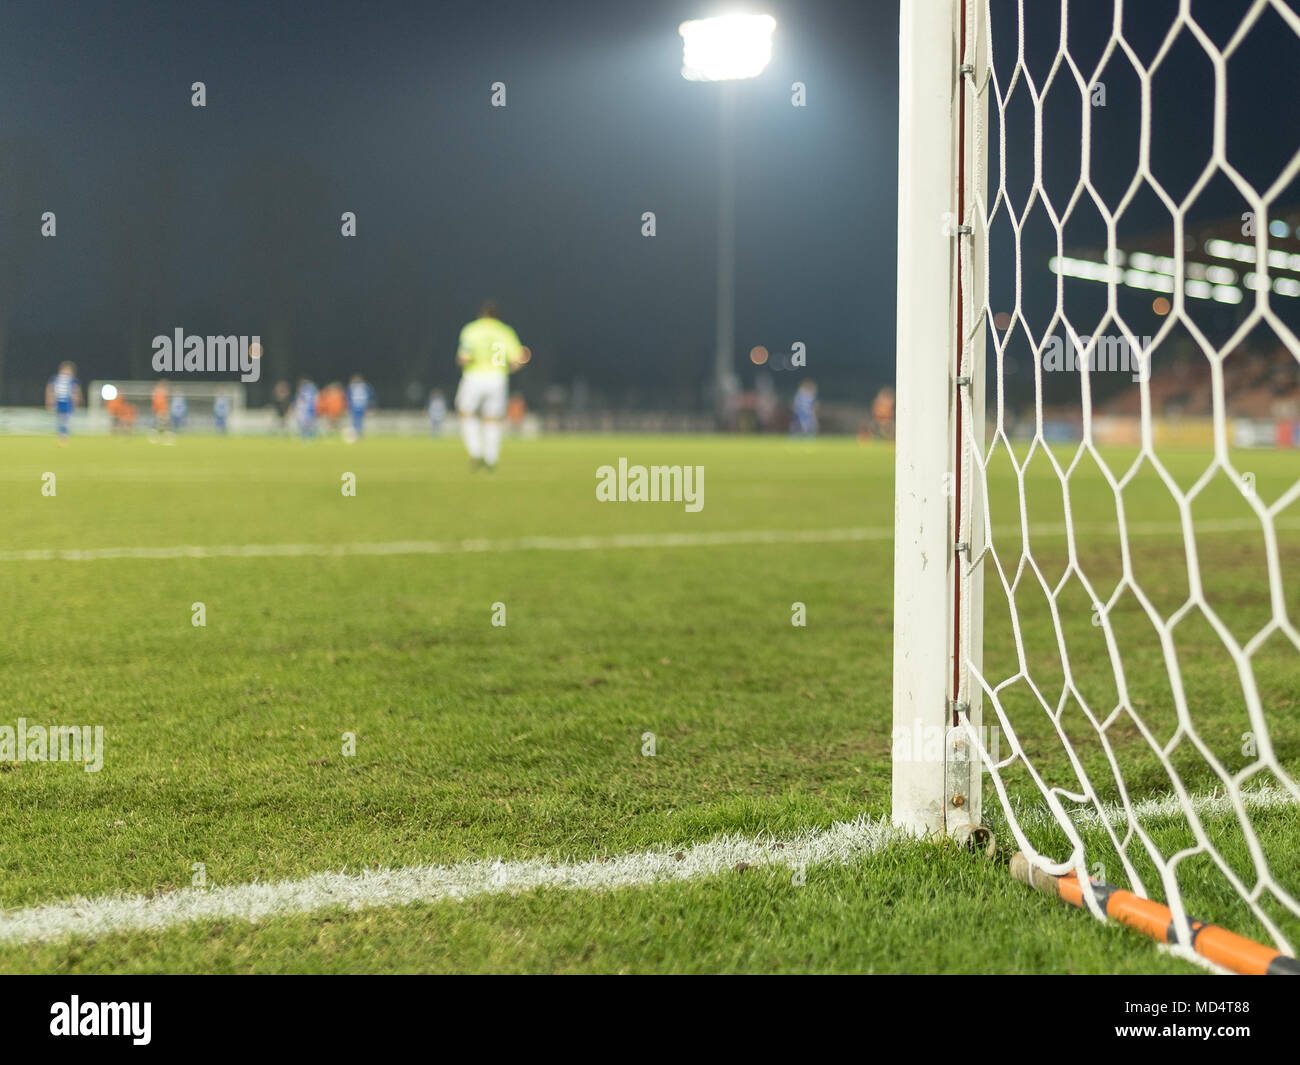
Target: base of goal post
{"points": [[1214, 944]]}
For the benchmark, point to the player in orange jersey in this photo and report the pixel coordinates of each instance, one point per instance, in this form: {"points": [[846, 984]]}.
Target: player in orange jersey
{"points": [[161, 403], [882, 412], [330, 404]]}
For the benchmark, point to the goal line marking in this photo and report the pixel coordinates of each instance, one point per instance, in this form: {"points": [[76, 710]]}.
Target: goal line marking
{"points": [[840, 844], [586, 543], [432, 883], [1164, 807]]}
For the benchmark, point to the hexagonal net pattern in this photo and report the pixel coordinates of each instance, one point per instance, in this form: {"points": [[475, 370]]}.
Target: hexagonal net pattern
{"points": [[1129, 285]]}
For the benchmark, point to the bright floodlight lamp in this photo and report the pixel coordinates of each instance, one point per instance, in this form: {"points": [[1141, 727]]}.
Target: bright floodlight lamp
{"points": [[727, 48]]}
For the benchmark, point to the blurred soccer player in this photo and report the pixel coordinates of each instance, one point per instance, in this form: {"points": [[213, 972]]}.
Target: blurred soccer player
{"points": [[161, 407], [437, 411], [516, 410], [804, 422], [221, 412], [180, 408], [305, 408], [282, 398], [330, 405], [488, 353], [115, 406], [360, 397], [63, 396], [882, 412]]}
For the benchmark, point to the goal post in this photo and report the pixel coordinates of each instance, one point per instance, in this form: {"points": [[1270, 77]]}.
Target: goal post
{"points": [[937, 598], [1097, 578]]}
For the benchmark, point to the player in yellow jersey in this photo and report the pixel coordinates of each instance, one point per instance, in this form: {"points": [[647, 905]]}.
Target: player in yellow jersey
{"points": [[488, 354]]}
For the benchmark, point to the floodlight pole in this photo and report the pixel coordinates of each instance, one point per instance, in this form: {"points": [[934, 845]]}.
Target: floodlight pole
{"points": [[726, 49], [725, 348]]}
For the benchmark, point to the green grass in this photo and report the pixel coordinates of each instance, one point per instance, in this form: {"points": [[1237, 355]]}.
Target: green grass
{"points": [[472, 741]]}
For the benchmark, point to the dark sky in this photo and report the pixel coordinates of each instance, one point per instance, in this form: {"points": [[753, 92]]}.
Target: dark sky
{"points": [[226, 219]]}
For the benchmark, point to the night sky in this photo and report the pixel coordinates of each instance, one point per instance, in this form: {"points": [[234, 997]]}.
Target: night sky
{"points": [[226, 219]]}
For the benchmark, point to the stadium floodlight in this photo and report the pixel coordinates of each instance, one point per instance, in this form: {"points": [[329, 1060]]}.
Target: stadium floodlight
{"points": [[727, 48]]}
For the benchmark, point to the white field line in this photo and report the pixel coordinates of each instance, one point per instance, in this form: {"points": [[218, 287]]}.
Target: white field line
{"points": [[431, 883], [841, 844], [454, 547], [583, 543], [1166, 807]]}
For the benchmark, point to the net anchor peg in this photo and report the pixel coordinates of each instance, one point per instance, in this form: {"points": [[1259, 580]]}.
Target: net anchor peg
{"points": [[978, 839]]}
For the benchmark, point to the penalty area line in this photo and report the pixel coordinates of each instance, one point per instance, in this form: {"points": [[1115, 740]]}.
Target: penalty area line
{"points": [[731, 538], [454, 547]]}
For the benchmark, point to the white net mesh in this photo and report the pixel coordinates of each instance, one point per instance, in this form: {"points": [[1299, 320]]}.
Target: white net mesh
{"points": [[1133, 266], [200, 399]]}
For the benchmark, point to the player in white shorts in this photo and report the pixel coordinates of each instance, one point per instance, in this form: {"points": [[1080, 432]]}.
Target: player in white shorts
{"points": [[488, 353]]}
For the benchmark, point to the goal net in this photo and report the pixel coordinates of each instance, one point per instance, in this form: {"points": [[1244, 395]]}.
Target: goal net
{"points": [[191, 405], [1097, 561]]}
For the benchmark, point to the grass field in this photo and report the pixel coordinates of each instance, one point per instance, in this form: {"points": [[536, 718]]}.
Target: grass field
{"points": [[224, 744]]}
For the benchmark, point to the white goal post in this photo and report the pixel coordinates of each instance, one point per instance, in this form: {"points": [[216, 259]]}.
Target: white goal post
{"points": [[1096, 619], [936, 783]]}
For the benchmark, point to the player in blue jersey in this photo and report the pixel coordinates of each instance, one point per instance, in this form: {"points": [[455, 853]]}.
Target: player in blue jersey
{"points": [[221, 412], [305, 408], [360, 399], [804, 422], [437, 411], [180, 409], [63, 396]]}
